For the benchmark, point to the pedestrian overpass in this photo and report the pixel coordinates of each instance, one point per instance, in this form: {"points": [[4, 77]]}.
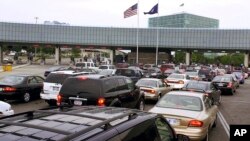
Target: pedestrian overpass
{"points": [[170, 39]]}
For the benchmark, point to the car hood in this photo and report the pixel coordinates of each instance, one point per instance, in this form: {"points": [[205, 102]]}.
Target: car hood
{"points": [[175, 112], [4, 106]]}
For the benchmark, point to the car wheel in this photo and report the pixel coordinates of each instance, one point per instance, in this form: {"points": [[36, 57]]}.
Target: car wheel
{"points": [[141, 104], [51, 103], [206, 138], [159, 97], [215, 122], [219, 101], [26, 97]]}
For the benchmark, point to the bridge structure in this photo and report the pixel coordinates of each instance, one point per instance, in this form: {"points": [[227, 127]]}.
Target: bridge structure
{"points": [[170, 39]]}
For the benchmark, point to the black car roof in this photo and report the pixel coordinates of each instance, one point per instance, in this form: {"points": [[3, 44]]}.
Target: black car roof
{"points": [[66, 123]]}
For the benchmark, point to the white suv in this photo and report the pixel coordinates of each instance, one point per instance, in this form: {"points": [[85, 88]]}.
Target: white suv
{"points": [[53, 84]]}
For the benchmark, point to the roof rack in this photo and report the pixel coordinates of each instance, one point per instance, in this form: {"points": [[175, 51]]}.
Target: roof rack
{"points": [[16, 120], [105, 123]]}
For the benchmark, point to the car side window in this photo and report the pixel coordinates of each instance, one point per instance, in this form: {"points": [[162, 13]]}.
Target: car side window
{"points": [[121, 84], [208, 103], [130, 84], [39, 79], [32, 80], [109, 85], [164, 130], [161, 84], [145, 131]]}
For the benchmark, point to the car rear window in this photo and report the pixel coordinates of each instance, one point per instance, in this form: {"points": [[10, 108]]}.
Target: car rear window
{"points": [[197, 86], [180, 102], [125, 72], [103, 67], [56, 78], [222, 79], [12, 79], [82, 86], [167, 66]]}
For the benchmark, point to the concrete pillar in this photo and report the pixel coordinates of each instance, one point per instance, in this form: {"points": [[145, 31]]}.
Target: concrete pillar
{"points": [[1, 54], [57, 55], [188, 57], [246, 59], [112, 56]]}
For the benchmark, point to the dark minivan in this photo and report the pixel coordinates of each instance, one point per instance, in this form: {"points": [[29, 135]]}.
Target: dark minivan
{"points": [[101, 90]]}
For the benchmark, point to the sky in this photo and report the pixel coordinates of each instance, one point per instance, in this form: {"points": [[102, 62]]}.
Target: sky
{"points": [[232, 14]]}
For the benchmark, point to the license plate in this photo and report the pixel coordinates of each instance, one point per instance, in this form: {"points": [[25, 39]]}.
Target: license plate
{"points": [[1, 89], [220, 84], [55, 88], [77, 102], [173, 121]]}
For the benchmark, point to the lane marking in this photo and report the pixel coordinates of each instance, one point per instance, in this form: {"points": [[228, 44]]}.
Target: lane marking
{"points": [[224, 123]]}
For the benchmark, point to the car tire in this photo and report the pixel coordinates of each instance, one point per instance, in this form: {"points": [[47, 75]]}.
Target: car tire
{"points": [[159, 97], [206, 138], [51, 103], [141, 104], [215, 122], [26, 97]]}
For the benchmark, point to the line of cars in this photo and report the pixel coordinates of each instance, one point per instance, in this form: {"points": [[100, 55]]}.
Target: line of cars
{"points": [[191, 111]]}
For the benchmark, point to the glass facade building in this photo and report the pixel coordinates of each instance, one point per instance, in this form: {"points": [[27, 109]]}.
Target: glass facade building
{"points": [[183, 20]]}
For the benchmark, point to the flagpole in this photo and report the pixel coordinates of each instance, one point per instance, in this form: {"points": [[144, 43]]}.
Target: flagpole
{"points": [[157, 36], [137, 34]]}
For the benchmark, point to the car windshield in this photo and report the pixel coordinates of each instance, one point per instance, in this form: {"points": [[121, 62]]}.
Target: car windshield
{"points": [[54, 68], [196, 86], [146, 83], [12, 79], [176, 76], [180, 102]]}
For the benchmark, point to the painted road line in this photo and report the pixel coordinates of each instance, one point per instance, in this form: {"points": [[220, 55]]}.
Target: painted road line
{"points": [[224, 123]]}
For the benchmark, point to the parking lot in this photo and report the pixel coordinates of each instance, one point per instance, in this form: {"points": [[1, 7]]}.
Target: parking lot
{"points": [[233, 109]]}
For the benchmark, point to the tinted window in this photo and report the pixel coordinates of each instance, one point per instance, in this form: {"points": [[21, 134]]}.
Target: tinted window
{"points": [[103, 67], [39, 79], [110, 85], [125, 72], [56, 78], [145, 131], [121, 84], [81, 85], [164, 130], [130, 83]]}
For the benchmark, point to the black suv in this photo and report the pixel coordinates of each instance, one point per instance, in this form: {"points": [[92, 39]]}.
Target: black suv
{"points": [[118, 91], [88, 123], [134, 74]]}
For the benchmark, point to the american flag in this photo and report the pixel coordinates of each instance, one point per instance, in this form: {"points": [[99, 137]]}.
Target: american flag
{"points": [[131, 11]]}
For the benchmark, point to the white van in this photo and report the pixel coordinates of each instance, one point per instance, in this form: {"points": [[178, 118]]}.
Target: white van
{"points": [[53, 84]]}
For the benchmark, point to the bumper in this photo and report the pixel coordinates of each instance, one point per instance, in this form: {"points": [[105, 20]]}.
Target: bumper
{"points": [[176, 86], [196, 134], [151, 96], [10, 96], [48, 96], [7, 113]]}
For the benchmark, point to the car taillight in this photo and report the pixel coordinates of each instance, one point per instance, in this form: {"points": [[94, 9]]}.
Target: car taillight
{"points": [[150, 91], [58, 100], [101, 102], [229, 85], [181, 82], [9, 89], [195, 123]]}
